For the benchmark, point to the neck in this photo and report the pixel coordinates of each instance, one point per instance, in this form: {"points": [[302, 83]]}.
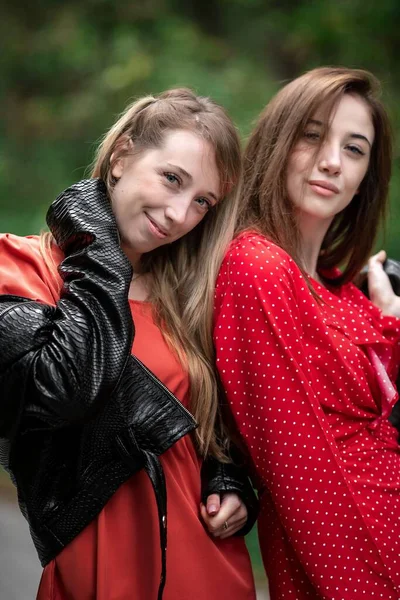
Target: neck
{"points": [[310, 255], [312, 233]]}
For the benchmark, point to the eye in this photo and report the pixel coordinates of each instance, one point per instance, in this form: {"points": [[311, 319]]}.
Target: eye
{"points": [[355, 150], [312, 136], [172, 178], [204, 203]]}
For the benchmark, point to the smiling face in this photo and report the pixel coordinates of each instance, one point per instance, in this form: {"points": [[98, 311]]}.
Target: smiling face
{"points": [[163, 193], [321, 182]]}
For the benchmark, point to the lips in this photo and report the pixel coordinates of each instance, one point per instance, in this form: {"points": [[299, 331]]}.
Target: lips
{"points": [[156, 228], [324, 185]]}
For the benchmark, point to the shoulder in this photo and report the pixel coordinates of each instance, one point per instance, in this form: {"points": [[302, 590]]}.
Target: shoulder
{"points": [[26, 249], [22, 251], [24, 270], [252, 256], [260, 275], [15, 244]]}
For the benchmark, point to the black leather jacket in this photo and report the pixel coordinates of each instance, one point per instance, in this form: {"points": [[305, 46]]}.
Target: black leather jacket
{"points": [[79, 414]]}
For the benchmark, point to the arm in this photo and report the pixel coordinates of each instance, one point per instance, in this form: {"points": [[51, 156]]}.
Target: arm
{"points": [[382, 286], [57, 364], [264, 367]]}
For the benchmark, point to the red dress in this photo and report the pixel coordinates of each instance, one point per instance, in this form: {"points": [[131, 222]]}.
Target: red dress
{"points": [[117, 556], [310, 384]]}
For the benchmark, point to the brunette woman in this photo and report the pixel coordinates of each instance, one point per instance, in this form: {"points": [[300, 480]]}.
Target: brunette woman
{"points": [[307, 361]]}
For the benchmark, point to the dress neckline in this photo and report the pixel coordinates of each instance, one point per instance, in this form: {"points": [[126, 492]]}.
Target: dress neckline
{"points": [[140, 302]]}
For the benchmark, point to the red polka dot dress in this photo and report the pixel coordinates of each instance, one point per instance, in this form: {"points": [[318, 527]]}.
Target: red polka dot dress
{"points": [[310, 384]]}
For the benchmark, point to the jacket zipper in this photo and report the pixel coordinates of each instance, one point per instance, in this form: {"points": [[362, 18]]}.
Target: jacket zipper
{"points": [[160, 384]]}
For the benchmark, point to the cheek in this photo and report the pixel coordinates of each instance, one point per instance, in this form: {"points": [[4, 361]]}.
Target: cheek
{"points": [[362, 176], [193, 222], [300, 163], [121, 208], [124, 198], [116, 205], [356, 180], [190, 224]]}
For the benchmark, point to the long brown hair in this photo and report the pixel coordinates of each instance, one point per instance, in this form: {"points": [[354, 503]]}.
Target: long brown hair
{"points": [[183, 274], [265, 203]]}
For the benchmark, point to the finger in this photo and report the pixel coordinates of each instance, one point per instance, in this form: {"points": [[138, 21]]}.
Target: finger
{"points": [[213, 504], [229, 512], [230, 504], [232, 529], [233, 512], [209, 521], [378, 281], [217, 527], [203, 513], [379, 257]]}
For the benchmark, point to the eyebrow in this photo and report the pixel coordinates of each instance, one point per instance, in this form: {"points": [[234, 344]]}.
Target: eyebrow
{"points": [[188, 176], [359, 136], [355, 136]]}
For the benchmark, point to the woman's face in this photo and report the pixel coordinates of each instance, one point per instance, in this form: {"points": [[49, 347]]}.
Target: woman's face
{"points": [[321, 186], [163, 193]]}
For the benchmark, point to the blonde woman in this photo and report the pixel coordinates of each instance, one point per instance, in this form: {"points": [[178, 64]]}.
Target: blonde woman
{"points": [[106, 367]]}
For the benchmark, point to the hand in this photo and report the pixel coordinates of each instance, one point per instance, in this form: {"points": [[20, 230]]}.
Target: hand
{"points": [[81, 213], [217, 513], [380, 288]]}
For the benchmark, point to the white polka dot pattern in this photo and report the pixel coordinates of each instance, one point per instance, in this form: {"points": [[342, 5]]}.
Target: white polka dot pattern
{"points": [[308, 384]]}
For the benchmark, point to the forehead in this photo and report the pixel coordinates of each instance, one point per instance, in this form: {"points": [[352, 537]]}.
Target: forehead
{"points": [[182, 142], [351, 114], [190, 152]]}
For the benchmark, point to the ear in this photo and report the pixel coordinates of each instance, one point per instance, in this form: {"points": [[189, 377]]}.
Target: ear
{"points": [[122, 148]]}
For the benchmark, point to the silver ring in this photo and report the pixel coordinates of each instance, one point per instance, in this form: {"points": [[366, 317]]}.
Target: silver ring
{"points": [[225, 525]]}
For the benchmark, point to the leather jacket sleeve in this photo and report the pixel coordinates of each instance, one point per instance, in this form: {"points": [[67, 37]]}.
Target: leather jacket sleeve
{"points": [[221, 478], [58, 364]]}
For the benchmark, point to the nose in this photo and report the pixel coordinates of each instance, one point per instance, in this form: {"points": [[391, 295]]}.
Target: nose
{"points": [[177, 210], [329, 161]]}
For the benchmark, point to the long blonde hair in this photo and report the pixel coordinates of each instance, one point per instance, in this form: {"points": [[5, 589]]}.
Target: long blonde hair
{"points": [[183, 273], [265, 203]]}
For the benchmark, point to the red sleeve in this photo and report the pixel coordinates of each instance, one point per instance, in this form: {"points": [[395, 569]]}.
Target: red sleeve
{"points": [[24, 272], [263, 363], [386, 325]]}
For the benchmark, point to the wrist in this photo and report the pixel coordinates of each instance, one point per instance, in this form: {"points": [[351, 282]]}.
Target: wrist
{"points": [[393, 308]]}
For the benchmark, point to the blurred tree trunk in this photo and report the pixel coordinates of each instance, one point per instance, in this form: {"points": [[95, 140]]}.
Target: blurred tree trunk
{"points": [[207, 14]]}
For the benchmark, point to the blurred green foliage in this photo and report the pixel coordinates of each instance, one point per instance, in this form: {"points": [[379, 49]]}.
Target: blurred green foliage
{"points": [[69, 68], [256, 560]]}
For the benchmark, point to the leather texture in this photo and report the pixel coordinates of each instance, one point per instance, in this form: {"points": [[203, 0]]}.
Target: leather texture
{"points": [[79, 414]]}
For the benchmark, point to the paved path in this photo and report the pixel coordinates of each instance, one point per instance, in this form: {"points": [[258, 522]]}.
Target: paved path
{"points": [[20, 569]]}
